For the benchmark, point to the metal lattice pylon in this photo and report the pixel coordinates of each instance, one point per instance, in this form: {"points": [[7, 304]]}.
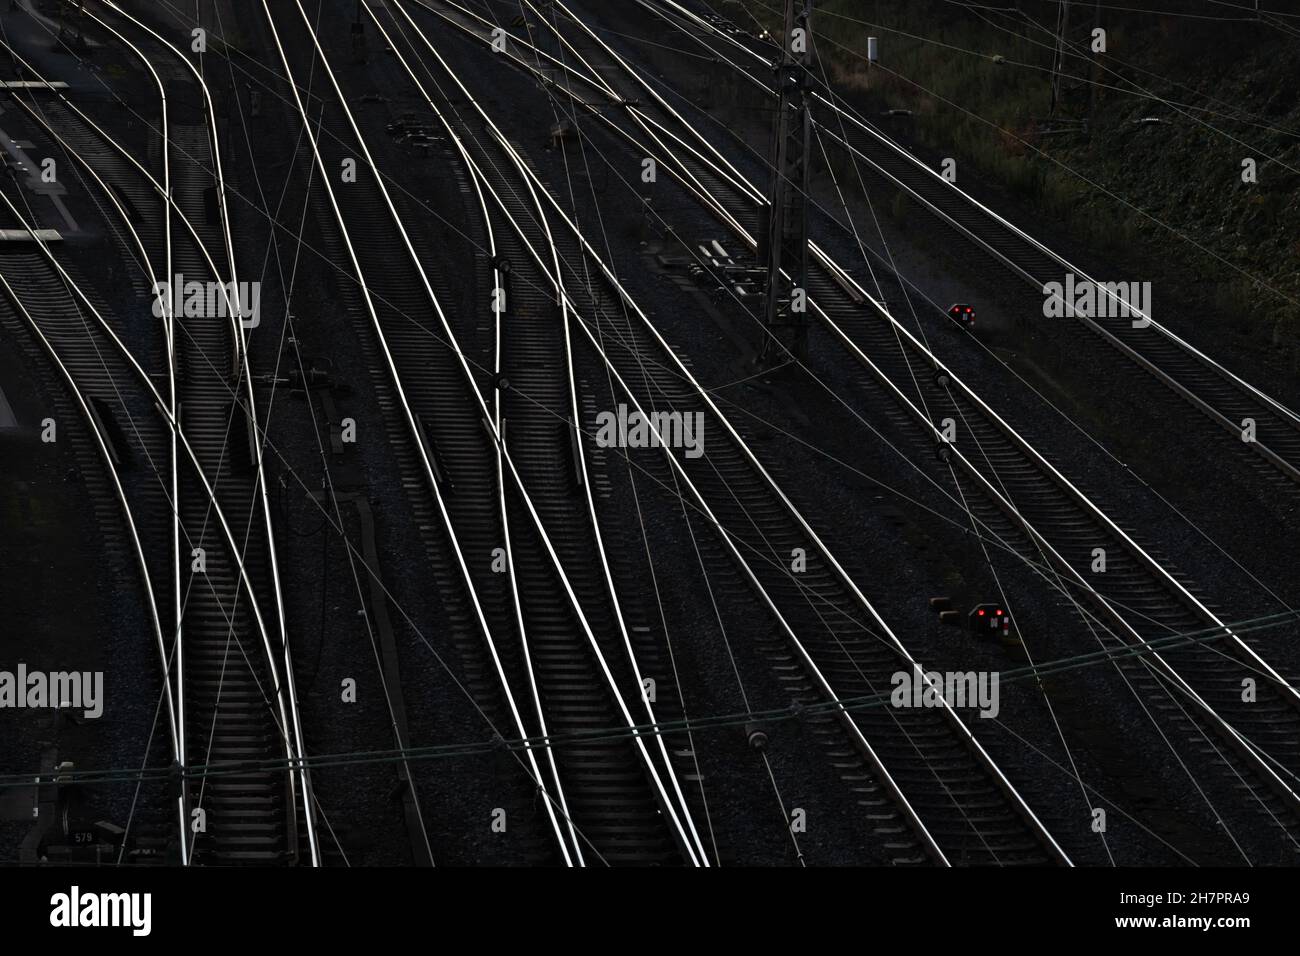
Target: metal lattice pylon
{"points": [[783, 236]]}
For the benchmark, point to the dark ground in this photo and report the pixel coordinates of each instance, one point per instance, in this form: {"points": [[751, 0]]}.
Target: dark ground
{"points": [[878, 515]]}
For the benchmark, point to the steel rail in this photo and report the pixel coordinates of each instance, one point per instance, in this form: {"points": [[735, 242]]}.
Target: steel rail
{"points": [[683, 372], [525, 648], [169, 330], [414, 428], [170, 207], [110, 192], [174, 424], [174, 208], [842, 278], [1291, 418], [1239, 743], [178, 717], [487, 417], [718, 164], [851, 286], [128, 515], [667, 804], [847, 282], [242, 362], [567, 310]]}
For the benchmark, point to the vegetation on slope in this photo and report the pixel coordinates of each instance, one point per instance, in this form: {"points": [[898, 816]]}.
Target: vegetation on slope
{"points": [[1223, 87]]}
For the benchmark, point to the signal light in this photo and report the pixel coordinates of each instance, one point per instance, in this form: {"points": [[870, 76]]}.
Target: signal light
{"points": [[962, 313], [989, 620]]}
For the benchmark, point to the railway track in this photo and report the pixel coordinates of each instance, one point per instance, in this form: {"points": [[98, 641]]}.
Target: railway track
{"points": [[495, 457], [72, 320], [928, 789], [1018, 495], [1224, 397], [231, 707], [124, 496], [546, 622], [243, 700], [1140, 599], [538, 422]]}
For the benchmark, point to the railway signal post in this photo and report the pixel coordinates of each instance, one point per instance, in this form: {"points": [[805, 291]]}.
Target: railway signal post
{"points": [[783, 237]]}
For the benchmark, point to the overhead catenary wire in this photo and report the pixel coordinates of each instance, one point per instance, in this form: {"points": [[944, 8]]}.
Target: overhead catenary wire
{"points": [[1064, 665]]}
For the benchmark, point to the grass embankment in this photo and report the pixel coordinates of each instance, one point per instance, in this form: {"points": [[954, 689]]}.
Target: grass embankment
{"points": [[979, 83]]}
